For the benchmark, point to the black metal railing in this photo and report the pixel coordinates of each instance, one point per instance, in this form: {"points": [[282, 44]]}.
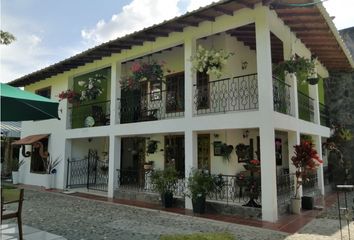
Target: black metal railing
{"points": [[90, 115], [310, 185], [306, 107], [89, 172], [285, 188], [140, 107], [282, 97], [324, 115], [231, 189], [140, 180], [227, 95]]}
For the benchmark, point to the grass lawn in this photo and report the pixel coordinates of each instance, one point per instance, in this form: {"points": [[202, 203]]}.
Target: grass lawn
{"points": [[199, 236]]}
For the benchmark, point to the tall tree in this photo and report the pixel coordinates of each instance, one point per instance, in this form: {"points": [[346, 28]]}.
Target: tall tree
{"points": [[6, 38]]}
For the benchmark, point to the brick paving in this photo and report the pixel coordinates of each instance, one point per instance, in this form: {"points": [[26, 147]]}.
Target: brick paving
{"points": [[78, 218]]}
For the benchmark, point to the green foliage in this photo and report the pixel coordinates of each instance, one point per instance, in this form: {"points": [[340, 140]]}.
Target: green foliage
{"points": [[16, 164], [302, 67], [51, 164], [164, 180], [6, 38], [151, 146], [200, 183], [199, 236]]}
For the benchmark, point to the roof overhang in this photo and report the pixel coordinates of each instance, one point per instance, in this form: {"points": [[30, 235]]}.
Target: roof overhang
{"points": [[311, 24], [29, 140]]}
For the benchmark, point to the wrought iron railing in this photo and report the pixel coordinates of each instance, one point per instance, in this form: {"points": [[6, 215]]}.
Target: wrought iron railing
{"points": [[228, 188], [140, 180], [306, 107], [231, 189], [138, 107], [226, 95], [285, 188], [89, 172], [324, 115], [282, 97], [90, 115]]}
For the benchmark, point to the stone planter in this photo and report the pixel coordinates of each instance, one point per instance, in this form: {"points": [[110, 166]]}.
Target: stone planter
{"points": [[295, 205], [15, 177], [199, 205], [48, 181]]}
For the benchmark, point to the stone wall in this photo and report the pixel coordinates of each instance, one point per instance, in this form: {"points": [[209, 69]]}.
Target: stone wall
{"points": [[339, 97]]}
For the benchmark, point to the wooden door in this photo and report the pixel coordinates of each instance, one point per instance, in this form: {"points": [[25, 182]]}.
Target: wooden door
{"points": [[204, 151]]}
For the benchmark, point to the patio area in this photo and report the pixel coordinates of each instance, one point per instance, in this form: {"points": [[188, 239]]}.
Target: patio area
{"points": [[10, 232], [84, 216]]}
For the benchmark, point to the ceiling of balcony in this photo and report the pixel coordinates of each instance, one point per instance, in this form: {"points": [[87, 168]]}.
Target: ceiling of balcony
{"points": [[308, 23]]}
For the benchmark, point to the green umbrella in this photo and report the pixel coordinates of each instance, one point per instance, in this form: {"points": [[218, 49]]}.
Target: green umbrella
{"points": [[18, 105]]}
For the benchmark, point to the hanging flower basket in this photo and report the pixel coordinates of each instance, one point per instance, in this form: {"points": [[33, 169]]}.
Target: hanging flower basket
{"points": [[92, 88], [70, 95], [152, 72], [210, 61], [303, 68]]}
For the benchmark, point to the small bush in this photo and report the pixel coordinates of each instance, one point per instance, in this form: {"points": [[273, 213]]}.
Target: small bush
{"points": [[199, 236]]}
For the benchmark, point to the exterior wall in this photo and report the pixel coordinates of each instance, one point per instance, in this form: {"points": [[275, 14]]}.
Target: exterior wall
{"points": [[80, 147], [262, 122]]}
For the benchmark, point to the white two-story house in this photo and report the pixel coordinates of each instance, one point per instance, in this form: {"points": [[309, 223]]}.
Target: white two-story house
{"points": [[187, 118]]}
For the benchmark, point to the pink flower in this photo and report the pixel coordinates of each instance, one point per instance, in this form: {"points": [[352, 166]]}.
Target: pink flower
{"points": [[136, 67]]}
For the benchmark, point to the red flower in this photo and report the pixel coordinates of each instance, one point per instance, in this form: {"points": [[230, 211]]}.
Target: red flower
{"points": [[255, 162]]}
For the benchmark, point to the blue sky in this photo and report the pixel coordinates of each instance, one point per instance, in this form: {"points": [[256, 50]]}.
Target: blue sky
{"points": [[52, 30]]}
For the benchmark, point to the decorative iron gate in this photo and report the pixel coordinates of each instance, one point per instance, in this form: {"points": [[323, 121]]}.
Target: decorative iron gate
{"points": [[89, 172]]}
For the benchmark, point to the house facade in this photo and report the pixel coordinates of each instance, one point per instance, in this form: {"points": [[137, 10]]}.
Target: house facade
{"points": [[186, 119]]}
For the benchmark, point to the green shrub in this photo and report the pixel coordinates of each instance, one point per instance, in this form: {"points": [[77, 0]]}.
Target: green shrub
{"points": [[199, 236]]}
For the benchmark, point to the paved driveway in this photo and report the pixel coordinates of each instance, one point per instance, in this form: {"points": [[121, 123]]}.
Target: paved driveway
{"points": [[75, 218]]}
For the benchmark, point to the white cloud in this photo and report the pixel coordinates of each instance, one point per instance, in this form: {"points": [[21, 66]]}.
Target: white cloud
{"points": [[28, 52], [195, 4], [343, 12], [133, 17]]}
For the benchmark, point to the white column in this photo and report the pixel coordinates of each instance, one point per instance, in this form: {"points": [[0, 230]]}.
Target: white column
{"points": [[318, 146], [313, 93], [191, 161], [189, 77], [293, 139], [292, 81], [115, 91], [114, 163], [266, 131], [67, 155]]}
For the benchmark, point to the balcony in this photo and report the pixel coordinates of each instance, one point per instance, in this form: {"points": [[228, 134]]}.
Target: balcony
{"points": [[324, 115], [140, 107], [282, 97], [306, 107], [89, 115], [226, 95]]}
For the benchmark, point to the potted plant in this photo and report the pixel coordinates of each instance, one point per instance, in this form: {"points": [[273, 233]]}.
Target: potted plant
{"points": [[226, 151], [200, 183], [91, 88], [151, 146], [16, 165], [73, 97], [152, 72], [306, 160], [303, 68], [50, 169], [210, 61], [164, 182]]}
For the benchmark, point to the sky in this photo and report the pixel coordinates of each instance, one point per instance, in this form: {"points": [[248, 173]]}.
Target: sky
{"points": [[49, 31]]}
